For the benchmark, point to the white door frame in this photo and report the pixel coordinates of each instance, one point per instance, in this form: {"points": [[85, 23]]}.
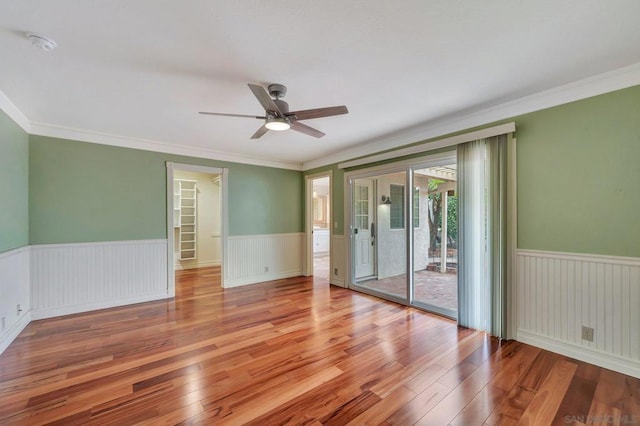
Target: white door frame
{"points": [[224, 211], [308, 243]]}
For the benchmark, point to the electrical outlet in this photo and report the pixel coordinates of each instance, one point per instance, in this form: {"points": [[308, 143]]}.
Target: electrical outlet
{"points": [[335, 271], [266, 269], [587, 333]]}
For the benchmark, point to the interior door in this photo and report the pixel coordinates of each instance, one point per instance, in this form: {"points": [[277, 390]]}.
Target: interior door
{"points": [[364, 237]]}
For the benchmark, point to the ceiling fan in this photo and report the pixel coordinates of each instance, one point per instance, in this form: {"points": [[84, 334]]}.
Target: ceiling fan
{"points": [[277, 115]]}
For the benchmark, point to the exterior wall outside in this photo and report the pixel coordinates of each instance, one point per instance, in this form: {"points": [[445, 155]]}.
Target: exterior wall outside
{"points": [[391, 243], [421, 237], [392, 259]]}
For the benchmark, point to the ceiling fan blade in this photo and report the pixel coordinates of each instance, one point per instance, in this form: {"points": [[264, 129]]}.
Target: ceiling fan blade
{"points": [[264, 99], [303, 128], [261, 131], [308, 114], [231, 115]]}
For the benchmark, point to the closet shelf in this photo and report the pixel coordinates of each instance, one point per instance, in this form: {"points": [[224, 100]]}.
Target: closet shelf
{"points": [[185, 216]]}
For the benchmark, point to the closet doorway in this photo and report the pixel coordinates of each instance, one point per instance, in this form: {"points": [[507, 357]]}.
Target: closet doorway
{"points": [[318, 220], [196, 218]]}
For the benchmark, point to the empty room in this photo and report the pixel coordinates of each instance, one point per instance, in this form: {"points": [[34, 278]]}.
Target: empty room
{"points": [[363, 213]]}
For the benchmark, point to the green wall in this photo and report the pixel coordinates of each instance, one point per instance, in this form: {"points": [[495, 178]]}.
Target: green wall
{"points": [[84, 192], [578, 176], [14, 185]]}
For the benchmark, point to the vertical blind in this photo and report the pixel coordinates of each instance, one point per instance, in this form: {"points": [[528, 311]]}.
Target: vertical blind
{"points": [[482, 234]]}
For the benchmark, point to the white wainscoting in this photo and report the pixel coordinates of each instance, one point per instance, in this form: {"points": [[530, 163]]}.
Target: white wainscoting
{"points": [[257, 258], [558, 293], [338, 260], [14, 291], [72, 278]]}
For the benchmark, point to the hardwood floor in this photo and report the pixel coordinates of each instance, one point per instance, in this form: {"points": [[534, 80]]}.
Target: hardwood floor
{"points": [[292, 351]]}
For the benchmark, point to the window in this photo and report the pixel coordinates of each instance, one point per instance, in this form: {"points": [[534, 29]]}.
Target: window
{"points": [[362, 206], [396, 214]]}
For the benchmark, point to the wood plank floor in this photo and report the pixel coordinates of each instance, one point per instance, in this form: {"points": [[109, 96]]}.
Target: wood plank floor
{"points": [[293, 351]]}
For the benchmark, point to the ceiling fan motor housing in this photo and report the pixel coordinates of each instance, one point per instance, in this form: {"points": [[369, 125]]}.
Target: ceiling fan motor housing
{"points": [[277, 90]]}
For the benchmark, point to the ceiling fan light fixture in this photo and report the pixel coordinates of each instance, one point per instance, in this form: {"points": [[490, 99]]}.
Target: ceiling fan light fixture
{"points": [[277, 124]]}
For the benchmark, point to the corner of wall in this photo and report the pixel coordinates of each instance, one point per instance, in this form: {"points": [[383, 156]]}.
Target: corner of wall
{"points": [[15, 287]]}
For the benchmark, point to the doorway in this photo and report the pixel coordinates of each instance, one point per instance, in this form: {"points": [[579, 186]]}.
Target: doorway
{"points": [[403, 241], [196, 221], [318, 219]]}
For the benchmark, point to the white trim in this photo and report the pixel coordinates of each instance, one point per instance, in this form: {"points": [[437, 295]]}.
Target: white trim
{"points": [[197, 169], [582, 257], [15, 288], [337, 255], [623, 365], [223, 174], [171, 269], [14, 331], [307, 266], [262, 278], [431, 146], [97, 244], [428, 160], [592, 86], [224, 225], [261, 236], [55, 131], [13, 252], [38, 314], [14, 113]]}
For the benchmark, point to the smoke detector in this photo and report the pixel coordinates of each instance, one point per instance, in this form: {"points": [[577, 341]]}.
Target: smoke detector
{"points": [[41, 42]]}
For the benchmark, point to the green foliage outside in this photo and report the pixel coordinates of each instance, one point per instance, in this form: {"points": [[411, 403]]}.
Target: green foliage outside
{"points": [[435, 214]]}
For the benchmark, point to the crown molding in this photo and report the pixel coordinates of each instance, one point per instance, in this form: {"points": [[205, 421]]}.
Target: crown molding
{"points": [[55, 131], [620, 78], [51, 130], [14, 112], [592, 86]]}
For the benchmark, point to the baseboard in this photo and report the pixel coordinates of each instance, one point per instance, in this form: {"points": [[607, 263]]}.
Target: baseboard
{"points": [[337, 282], [12, 332], [38, 314], [623, 365], [262, 278]]}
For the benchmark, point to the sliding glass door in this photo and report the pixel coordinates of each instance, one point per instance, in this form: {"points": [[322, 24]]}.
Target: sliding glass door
{"points": [[403, 219], [435, 261], [378, 235]]}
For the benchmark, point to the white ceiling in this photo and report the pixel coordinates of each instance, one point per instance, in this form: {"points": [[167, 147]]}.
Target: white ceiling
{"points": [[142, 69]]}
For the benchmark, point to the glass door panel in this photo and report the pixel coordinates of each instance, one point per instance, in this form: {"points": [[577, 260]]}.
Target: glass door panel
{"points": [[380, 236], [435, 281]]}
